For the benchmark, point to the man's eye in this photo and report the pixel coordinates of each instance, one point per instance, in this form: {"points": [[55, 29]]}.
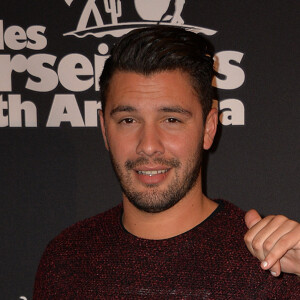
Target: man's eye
{"points": [[127, 121], [172, 120]]}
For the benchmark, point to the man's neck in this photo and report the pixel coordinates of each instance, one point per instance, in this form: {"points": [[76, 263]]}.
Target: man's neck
{"points": [[190, 211]]}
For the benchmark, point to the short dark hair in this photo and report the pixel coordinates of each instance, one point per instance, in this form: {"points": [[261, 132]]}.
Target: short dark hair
{"points": [[163, 48]]}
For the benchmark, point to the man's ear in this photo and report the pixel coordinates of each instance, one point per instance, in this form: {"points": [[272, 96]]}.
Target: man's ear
{"points": [[210, 128], [102, 123]]}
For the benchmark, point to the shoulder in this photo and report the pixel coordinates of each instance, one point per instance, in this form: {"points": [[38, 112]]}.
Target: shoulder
{"points": [[83, 237], [73, 250], [97, 226], [226, 223], [224, 241], [228, 214]]}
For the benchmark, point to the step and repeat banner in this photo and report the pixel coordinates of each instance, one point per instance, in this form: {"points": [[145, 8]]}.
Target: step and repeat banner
{"points": [[54, 167]]}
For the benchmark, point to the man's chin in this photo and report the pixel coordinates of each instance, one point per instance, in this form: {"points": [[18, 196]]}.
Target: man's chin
{"points": [[153, 209], [146, 203]]}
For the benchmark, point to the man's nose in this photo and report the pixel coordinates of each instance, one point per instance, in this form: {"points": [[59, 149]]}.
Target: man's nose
{"points": [[149, 141]]}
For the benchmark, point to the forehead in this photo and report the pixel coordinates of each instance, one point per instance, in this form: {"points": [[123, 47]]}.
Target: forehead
{"points": [[165, 87]]}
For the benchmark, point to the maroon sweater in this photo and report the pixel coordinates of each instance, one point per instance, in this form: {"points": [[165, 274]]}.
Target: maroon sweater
{"points": [[98, 259]]}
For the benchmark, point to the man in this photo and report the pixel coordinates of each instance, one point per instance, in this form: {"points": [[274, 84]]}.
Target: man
{"points": [[167, 240]]}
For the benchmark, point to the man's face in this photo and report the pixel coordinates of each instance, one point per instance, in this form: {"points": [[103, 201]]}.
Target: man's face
{"points": [[153, 129]]}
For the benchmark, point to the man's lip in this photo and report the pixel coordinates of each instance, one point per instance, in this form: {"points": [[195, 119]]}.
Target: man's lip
{"points": [[151, 168], [151, 176]]}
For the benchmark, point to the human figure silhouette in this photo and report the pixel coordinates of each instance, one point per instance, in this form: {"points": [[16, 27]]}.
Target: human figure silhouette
{"points": [[175, 6]]}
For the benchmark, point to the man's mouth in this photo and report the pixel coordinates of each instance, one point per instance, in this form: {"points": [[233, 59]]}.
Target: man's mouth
{"points": [[152, 172]]}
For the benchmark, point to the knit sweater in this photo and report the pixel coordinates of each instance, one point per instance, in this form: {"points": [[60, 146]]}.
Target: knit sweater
{"points": [[98, 259]]}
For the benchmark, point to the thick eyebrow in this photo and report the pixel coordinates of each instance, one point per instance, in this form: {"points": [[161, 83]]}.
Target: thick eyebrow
{"points": [[170, 109], [122, 108], [175, 109]]}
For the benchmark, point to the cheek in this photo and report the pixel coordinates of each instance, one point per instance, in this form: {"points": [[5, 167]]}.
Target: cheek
{"points": [[121, 147], [182, 146]]}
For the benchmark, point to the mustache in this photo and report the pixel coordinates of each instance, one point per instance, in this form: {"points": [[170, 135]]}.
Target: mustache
{"points": [[132, 164]]}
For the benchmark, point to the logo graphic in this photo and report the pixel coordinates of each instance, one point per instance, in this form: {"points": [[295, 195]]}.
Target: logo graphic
{"points": [[150, 11]]}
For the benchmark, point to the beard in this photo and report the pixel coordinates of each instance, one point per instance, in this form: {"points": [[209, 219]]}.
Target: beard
{"points": [[155, 200]]}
